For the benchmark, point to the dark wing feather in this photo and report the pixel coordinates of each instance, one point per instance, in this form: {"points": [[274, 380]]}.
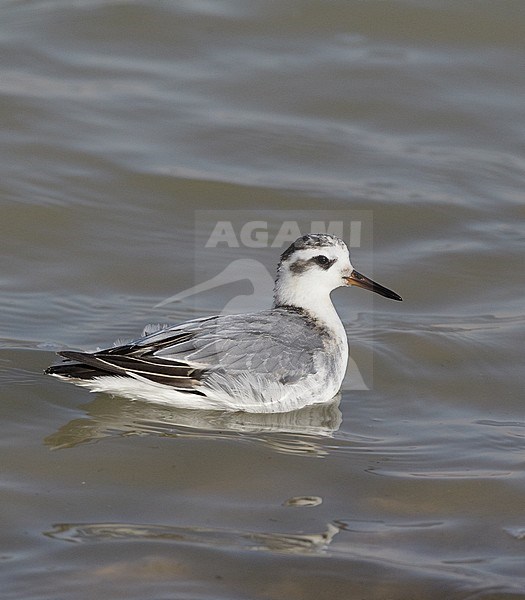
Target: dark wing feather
{"points": [[120, 361]]}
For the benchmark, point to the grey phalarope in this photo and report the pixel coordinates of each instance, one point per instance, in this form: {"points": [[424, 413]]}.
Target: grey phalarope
{"points": [[277, 360]]}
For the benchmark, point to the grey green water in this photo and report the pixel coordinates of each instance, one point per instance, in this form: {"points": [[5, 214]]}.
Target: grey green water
{"points": [[127, 129]]}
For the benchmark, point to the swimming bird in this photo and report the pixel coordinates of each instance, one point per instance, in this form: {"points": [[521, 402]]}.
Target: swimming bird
{"points": [[278, 360]]}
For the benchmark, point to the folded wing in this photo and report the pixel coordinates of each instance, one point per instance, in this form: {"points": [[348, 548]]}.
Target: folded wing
{"points": [[270, 345]]}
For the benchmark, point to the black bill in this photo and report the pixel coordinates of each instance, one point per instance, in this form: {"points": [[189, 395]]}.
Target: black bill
{"points": [[363, 282]]}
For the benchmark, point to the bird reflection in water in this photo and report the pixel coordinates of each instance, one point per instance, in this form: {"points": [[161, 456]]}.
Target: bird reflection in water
{"points": [[298, 432]]}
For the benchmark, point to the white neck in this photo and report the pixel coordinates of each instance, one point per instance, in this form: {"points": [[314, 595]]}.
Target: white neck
{"points": [[314, 299]]}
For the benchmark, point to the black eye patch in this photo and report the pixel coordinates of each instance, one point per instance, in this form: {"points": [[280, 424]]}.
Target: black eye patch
{"points": [[323, 261]]}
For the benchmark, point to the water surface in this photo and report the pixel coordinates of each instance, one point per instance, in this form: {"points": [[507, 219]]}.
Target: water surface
{"points": [[126, 128]]}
